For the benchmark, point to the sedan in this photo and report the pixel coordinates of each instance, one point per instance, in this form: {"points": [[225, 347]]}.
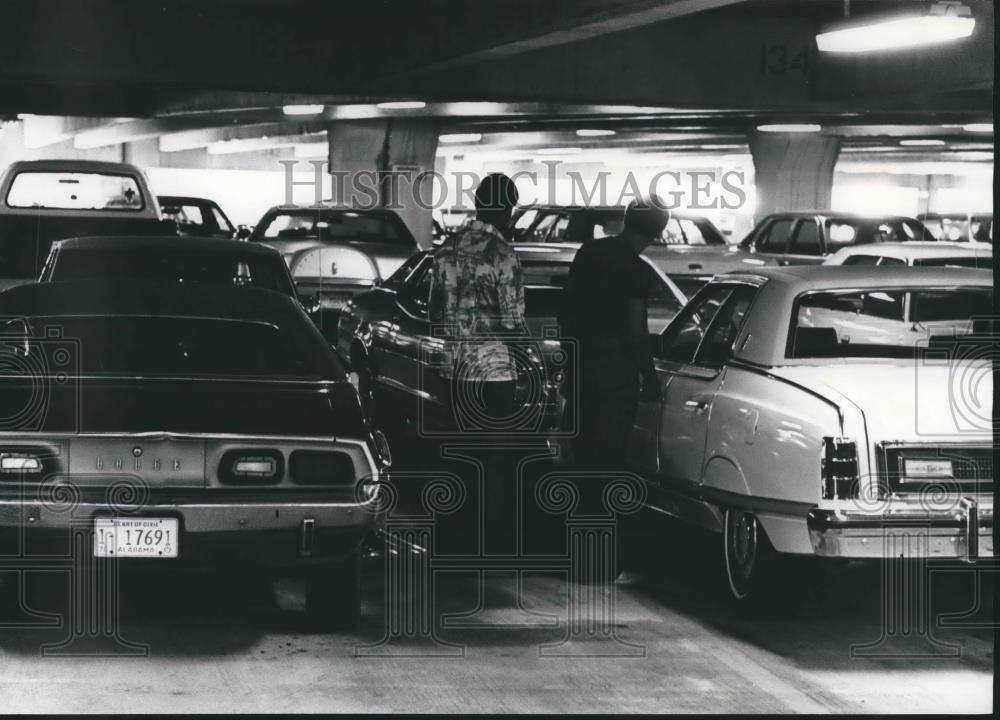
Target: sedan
{"points": [[381, 234], [916, 254], [387, 337], [806, 238], [200, 426], [825, 412]]}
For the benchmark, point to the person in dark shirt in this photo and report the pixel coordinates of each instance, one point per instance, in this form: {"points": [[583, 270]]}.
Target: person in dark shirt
{"points": [[604, 312]]}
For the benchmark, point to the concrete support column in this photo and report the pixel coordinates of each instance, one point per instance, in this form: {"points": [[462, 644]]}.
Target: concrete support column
{"points": [[794, 171], [387, 163]]}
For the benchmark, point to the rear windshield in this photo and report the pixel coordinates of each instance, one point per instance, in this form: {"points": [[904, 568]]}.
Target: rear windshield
{"points": [[75, 191], [969, 262], [841, 232], [214, 268], [884, 323], [137, 345], [339, 227]]}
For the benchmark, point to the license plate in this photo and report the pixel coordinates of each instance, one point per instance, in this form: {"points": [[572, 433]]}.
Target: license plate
{"points": [[136, 537]]}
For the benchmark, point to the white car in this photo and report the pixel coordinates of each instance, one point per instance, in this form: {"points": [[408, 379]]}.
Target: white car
{"points": [[824, 411], [916, 254]]}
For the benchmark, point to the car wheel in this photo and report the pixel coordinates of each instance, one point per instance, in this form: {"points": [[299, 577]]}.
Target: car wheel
{"points": [[333, 595]]}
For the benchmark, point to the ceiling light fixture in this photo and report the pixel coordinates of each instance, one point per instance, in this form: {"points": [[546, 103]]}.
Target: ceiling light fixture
{"points": [[403, 105], [594, 132], [945, 22], [461, 138], [978, 127], [922, 142], [790, 127], [302, 109]]}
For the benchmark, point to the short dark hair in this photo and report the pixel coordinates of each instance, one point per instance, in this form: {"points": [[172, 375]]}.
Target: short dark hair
{"points": [[647, 217], [496, 191]]}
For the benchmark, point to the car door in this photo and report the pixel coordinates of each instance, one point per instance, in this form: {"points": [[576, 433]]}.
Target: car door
{"points": [[806, 244], [674, 354], [773, 240]]}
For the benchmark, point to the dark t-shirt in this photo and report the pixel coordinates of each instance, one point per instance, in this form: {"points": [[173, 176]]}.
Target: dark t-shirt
{"points": [[605, 275]]}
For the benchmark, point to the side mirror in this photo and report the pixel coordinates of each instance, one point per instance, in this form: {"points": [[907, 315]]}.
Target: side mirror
{"points": [[243, 232]]}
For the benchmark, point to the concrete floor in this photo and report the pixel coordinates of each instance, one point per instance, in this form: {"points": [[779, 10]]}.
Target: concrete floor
{"points": [[217, 643]]}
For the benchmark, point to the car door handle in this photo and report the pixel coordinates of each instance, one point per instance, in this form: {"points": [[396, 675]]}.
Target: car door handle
{"points": [[695, 406]]}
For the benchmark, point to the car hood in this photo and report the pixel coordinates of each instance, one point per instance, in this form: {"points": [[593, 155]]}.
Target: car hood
{"points": [[906, 400], [387, 257], [8, 283], [688, 260]]}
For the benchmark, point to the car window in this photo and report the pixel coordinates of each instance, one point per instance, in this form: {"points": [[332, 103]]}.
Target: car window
{"points": [[672, 234], [415, 295], [871, 260], [661, 304], [840, 233], [221, 220], [775, 238], [806, 240], [542, 227], [398, 278], [186, 216], [558, 233], [718, 343], [75, 191], [338, 227], [525, 219], [853, 323], [969, 261], [173, 265], [681, 339]]}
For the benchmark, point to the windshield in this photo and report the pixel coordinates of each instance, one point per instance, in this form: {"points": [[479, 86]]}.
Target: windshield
{"points": [[338, 227], [213, 268], [75, 191], [142, 345], [883, 323]]}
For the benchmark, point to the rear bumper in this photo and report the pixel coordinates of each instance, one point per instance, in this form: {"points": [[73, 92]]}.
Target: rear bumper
{"points": [[270, 534], [905, 528]]}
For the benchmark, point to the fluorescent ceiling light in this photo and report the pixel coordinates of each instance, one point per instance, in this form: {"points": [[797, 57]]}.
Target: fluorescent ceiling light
{"points": [[974, 155], [22, 116], [790, 127], [302, 109], [720, 147], [594, 132], [225, 147], [403, 105], [896, 33], [559, 151], [461, 138], [922, 142], [971, 127]]}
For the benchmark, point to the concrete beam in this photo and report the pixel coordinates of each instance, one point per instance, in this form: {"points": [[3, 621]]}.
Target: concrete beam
{"points": [[203, 137], [132, 130]]}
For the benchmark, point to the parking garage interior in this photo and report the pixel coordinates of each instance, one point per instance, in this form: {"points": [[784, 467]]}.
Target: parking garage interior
{"points": [[728, 108]]}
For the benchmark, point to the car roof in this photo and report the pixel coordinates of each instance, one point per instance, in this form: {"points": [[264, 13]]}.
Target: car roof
{"points": [[165, 242], [918, 249], [99, 297], [830, 214], [548, 252], [330, 209], [798, 278], [190, 199], [606, 208], [67, 165]]}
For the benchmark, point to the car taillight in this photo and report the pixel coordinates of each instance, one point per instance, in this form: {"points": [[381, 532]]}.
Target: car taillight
{"points": [[321, 467], [20, 463], [840, 468], [251, 466]]}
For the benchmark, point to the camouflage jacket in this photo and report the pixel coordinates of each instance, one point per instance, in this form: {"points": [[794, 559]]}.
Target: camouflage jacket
{"points": [[477, 298]]}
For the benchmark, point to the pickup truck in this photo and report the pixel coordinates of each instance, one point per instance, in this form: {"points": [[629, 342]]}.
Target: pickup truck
{"points": [[42, 201]]}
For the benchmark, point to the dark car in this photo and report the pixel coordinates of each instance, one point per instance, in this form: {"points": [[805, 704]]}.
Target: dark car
{"points": [[690, 251], [959, 227], [381, 234], [198, 217], [386, 335], [196, 426], [168, 259], [806, 238]]}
